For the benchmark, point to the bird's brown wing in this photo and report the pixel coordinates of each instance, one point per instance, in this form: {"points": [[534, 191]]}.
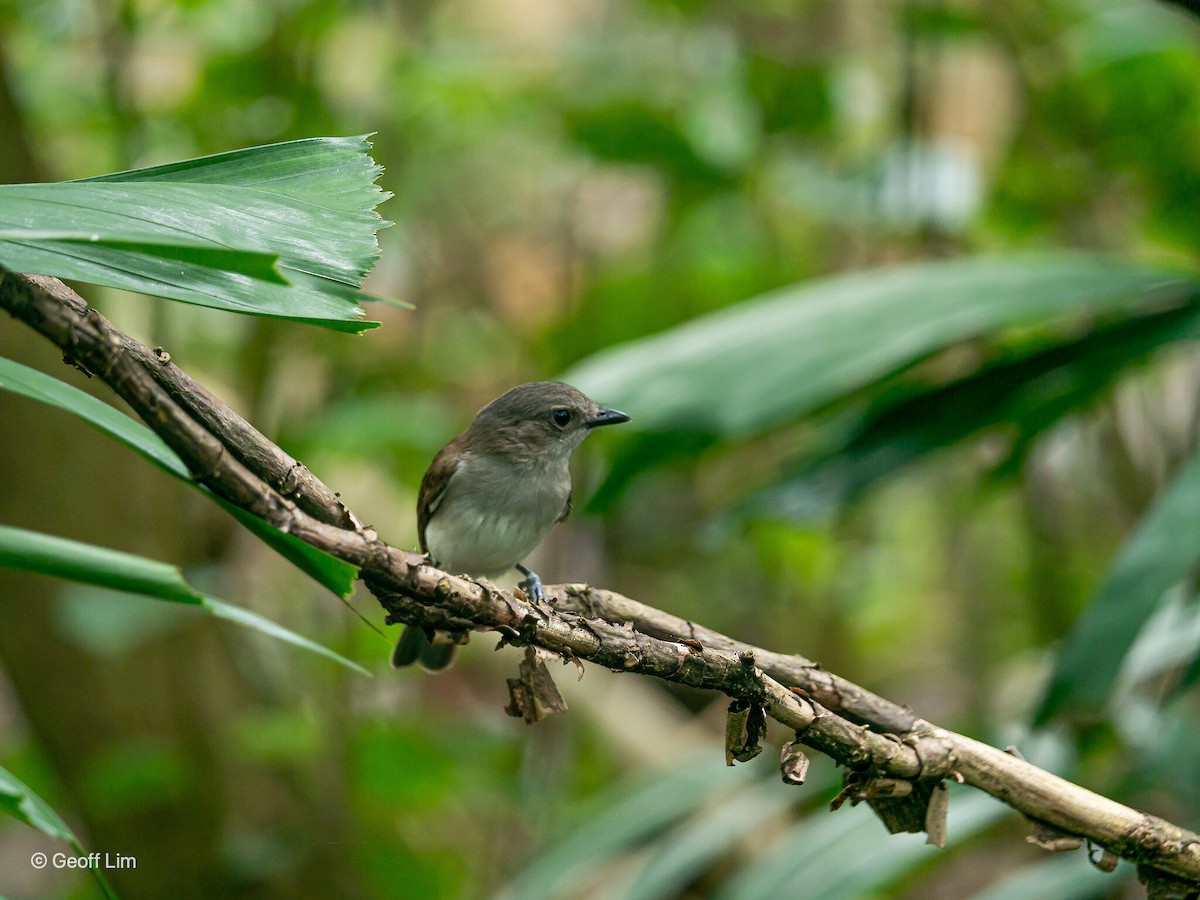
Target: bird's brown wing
{"points": [[434, 484]]}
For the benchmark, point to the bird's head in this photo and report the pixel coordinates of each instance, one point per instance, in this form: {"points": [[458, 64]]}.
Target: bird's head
{"points": [[542, 418]]}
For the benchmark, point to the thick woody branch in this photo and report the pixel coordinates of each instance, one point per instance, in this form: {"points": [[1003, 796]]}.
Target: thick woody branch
{"points": [[832, 691], [291, 479], [462, 603], [860, 730]]}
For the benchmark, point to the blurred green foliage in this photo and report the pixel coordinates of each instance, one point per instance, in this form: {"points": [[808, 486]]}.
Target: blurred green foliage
{"points": [[570, 177]]}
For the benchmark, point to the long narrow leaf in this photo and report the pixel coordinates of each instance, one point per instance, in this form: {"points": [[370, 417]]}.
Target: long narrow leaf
{"points": [[20, 802], [697, 843], [1067, 876], [243, 616], [261, 266], [335, 574], [31, 551], [630, 816], [1027, 392], [1191, 675], [850, 854], [39, 386], [1161, 552], [751, 367]]}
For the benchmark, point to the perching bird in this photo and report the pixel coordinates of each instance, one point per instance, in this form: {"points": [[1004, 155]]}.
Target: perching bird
{"points": [[493, 493]]}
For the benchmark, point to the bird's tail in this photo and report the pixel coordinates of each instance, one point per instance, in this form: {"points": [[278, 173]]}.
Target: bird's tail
{"points": [[414, 645]]}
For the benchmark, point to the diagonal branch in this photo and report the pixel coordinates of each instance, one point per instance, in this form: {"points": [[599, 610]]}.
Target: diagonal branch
{"points": [[279, 470], [864, 732], [833, 691]]}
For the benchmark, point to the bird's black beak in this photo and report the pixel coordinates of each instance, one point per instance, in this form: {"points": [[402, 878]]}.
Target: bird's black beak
{"points": [[607, 417]]}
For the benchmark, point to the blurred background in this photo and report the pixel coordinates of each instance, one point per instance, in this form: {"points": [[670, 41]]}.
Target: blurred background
{"points": [[569, 176]]}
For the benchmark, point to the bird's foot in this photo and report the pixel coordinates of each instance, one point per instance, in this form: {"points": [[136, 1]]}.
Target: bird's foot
{"points": [[532, 586]]}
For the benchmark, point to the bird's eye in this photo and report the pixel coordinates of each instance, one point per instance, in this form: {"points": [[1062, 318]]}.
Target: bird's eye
{"points": [[562, 417]]}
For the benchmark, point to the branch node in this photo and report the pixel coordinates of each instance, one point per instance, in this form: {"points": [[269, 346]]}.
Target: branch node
{"points": [[290, 485]]}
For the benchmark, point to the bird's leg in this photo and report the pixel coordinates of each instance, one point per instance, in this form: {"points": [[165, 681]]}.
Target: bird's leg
{"points": [[531, 585]]}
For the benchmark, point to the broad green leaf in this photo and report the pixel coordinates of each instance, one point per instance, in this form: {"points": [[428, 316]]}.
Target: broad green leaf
{"points": [[753, 366], [100, 208], [1162, 551], [31, 551], [325, 174], [333, 573], [1027, 391], [18, 801], [309, 203], [214, 215], [335, 172]]}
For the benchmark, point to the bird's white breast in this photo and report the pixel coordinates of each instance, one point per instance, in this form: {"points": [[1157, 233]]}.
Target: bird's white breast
{"points": [[491, 518]]}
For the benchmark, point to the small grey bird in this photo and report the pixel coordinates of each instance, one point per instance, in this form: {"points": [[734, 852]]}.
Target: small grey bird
{"points": [[494, 492]]}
